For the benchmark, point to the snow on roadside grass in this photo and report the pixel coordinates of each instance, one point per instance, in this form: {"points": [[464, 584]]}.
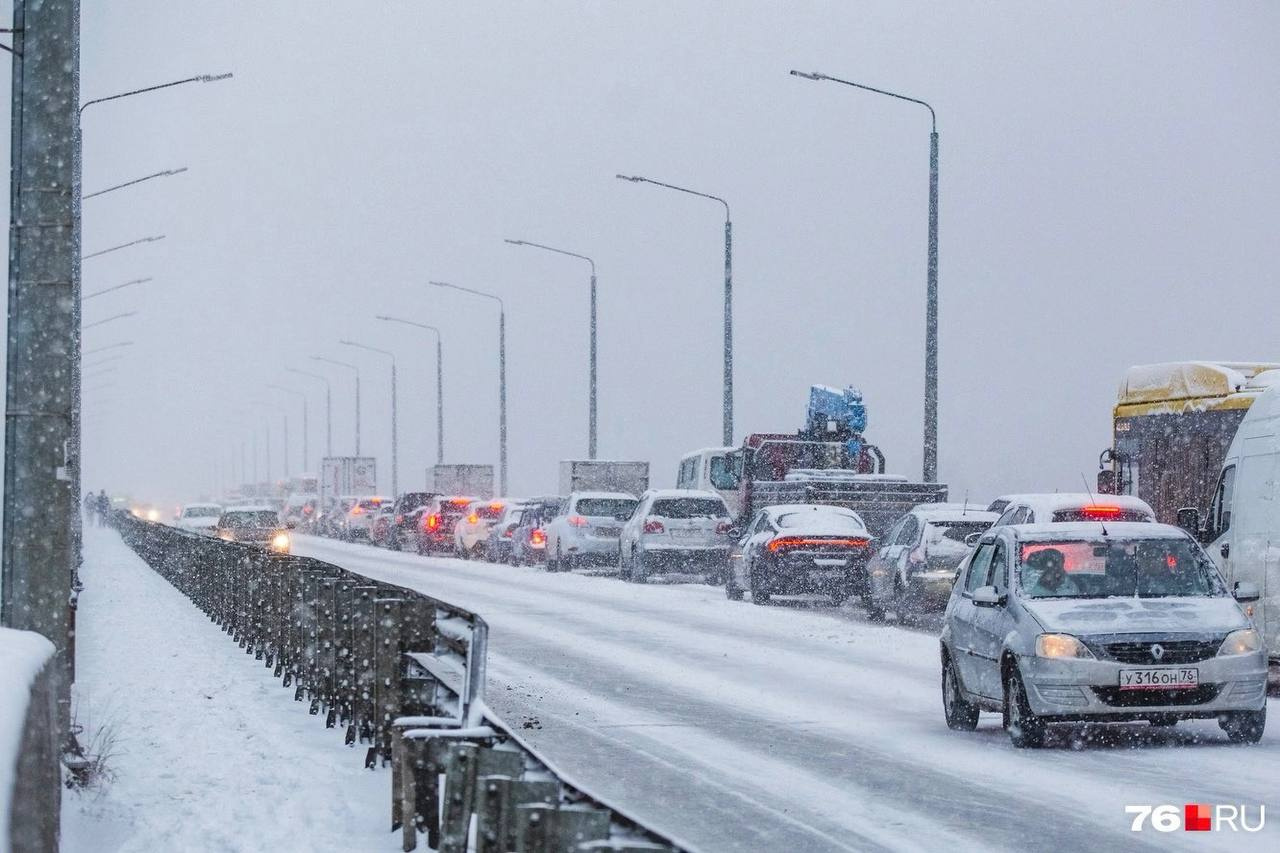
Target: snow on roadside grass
{"points": [[213, 753]]}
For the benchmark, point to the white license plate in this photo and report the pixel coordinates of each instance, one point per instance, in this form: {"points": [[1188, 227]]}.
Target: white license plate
{"points": [[829, 561], [686, 534], [1164, 678]]}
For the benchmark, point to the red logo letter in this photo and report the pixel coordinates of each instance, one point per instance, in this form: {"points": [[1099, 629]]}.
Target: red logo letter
{"points": [[1197, 817]]}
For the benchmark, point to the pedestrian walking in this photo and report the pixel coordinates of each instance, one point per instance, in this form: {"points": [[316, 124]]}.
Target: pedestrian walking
{"points": [[90, 507], [104, 508]]}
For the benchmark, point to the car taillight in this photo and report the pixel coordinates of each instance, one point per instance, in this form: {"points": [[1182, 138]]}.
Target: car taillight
{"points": [[473, 519], [399, 519], [307, 510], [506, 534], [460, 501], [1098, 511], [577, 521], [433, 521], [652, 525], [785, 542], [355, 510], [537, 536], [723, 527]]}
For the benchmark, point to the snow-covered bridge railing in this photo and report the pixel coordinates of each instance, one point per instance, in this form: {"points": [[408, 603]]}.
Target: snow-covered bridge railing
{"points": [[404, 673], [30, 769]]}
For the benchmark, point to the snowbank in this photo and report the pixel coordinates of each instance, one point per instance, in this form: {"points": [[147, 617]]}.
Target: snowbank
{"points": [[23, 654]]}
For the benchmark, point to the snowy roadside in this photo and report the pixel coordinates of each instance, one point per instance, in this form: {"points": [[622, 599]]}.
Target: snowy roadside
{"points": [[210, 752]]}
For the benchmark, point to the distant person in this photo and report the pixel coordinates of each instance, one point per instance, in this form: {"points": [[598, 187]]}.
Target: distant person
{"points": [[1052, 580], [90, 507], [104, 508]]}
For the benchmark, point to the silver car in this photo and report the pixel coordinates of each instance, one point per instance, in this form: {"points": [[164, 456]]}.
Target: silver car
{"points": [[587, 530], [680, 530], [1099, 622]]}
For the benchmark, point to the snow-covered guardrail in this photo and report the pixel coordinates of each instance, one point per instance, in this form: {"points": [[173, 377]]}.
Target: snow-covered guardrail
{"points": [[404, 673], [30, 772]]}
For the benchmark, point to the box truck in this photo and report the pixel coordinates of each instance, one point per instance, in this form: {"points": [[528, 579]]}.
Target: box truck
{"points": [[470, 480], [347, 475], [603, 475]]}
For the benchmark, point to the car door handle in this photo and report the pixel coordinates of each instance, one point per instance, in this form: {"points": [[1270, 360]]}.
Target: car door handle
{"points": [[1225, 550]]}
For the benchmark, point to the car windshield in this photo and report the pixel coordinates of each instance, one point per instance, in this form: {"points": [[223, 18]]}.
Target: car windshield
{"points": [[371, 503], [689, 508], [1101, 513], [942, 532], [606, 507], [1110, 568], [723, 472], [836, 522], [251, 518]]}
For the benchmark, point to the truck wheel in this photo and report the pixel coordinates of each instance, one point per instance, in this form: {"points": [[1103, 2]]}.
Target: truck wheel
{"points": [[1244, 726]]}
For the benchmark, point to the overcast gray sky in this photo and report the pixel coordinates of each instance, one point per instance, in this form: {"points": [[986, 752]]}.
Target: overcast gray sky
{"points": [[1107, 198]]}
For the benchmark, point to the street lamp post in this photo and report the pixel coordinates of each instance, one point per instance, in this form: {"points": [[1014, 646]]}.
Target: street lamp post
{"points": [[306, 446], [439, 380], [728, 297], [328, 406], [931, 300], [502, 375], [356, 370], [591, 359], [395, 439]]}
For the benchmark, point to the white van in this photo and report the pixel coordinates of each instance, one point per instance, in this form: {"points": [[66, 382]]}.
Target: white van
{"points": [[712, 470], [1242, 530]]}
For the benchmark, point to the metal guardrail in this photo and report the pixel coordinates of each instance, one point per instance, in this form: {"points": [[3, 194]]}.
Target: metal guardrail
{"points": [[403, 672]]}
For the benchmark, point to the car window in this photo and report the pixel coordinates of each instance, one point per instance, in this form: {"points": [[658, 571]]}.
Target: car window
{"points": [[689, 508], [1007, 517], [999, 577], [1220, 509], [606, 507], [909, 532], [1117, 568], [979, 567], [250, 518], [836, 522]]}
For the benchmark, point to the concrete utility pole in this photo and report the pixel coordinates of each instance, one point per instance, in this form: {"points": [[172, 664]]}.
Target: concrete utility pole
{"points": [[439, 380], [44, 331], [328, 407], [395, 435]]}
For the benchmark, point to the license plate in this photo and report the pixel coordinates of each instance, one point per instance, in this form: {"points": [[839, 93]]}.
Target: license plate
{"points": [[686, 534], [1165, 678], [829, 561]]}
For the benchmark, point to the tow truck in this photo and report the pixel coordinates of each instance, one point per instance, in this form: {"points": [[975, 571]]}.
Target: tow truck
{"points": [[828, 461]]}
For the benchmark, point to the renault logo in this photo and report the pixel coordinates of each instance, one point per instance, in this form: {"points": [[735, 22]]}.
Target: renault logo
{"points": [[1157, 652]]}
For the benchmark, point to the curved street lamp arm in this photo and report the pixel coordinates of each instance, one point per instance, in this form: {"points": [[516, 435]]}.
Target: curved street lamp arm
{"points": [[641, 180], [816, 75], [492, 296], [201, 78], [553, 249]]}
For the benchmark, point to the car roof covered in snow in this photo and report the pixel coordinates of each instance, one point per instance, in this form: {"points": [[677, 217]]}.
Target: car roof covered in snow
{"points": [[1094, 530], [682, 493], [613, 496], [1049, 503], [954, 512]]}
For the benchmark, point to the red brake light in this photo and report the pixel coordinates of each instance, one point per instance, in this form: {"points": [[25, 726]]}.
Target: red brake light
{"points": [[723, 527], [577, 521], [537, 536], [356, 510], [496, 505], [652, 525], [506, 534], [801, 542], [306, 510], [433, 521], [1100, 511], [473, 519], [460, 501]]}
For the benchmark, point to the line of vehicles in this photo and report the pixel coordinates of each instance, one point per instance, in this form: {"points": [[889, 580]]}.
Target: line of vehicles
{"points": [[1054, 608]]}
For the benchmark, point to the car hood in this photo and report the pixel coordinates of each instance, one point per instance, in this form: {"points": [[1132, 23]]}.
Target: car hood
{"points": [[1123, 615]]}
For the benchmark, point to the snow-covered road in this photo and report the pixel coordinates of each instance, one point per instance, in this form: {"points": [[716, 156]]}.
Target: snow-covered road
{"points": [[211, 752], [744, 728]]}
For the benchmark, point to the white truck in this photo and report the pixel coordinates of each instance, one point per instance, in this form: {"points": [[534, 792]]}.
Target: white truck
{"points": [[1242, 529], [347, 475], [603, 475], [474, 481]]}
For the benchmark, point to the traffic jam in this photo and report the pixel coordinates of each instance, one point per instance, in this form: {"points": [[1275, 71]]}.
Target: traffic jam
{"points": [[1150, 595]]}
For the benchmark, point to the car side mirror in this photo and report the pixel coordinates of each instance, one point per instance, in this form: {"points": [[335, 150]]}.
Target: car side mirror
{"points": [[1189, 520], [1246, 591], [735, 532], [972, 539], [987, 596]]}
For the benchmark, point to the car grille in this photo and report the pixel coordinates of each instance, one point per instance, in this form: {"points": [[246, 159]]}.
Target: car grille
{"points": [[1175, 651], [1118, 698]]}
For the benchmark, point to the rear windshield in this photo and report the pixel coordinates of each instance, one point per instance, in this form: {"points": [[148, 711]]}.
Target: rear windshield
{"points": [[1145, 568], [251, 518], [606, 507], [449, 509], [201, 511], [689, 508], [413, 500], [488, 512], [836, 522], [1092, 515], [935, 532], [370, 504]]}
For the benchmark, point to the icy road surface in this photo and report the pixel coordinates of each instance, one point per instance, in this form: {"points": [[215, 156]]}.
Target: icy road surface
{"points": [[211, 752], [744, 728]]}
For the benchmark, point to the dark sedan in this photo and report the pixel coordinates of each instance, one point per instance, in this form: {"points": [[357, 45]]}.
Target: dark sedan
{"points": [[800, 549]]}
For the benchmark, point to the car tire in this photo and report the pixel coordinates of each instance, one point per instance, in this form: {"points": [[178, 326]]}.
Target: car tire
{"points": [[961, 715], [1244, 726], [716, 575], [639, 572], [1026, 730], [553, 562], [758, 595]]}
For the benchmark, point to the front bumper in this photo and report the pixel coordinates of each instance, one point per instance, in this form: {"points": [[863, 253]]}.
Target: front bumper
{"points": [[1088, 689]]}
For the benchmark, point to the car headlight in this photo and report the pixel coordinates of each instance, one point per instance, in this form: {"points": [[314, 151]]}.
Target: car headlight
{"points": [[1243, 642], [1061, 646], [280, 542], [226, 536]]}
